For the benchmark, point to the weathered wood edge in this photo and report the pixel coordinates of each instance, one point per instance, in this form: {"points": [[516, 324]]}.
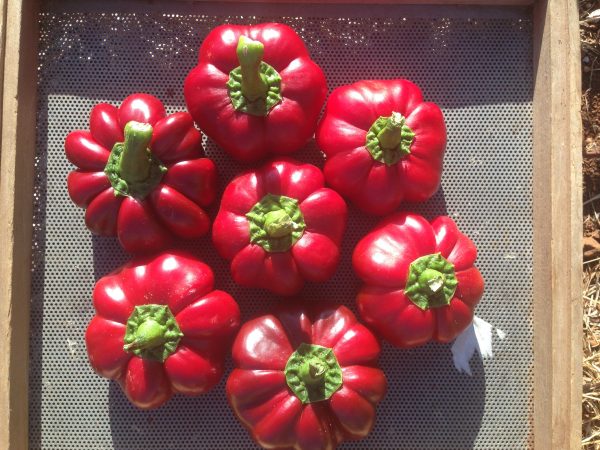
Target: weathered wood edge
{"points": [[557, 219], [16, 201]]}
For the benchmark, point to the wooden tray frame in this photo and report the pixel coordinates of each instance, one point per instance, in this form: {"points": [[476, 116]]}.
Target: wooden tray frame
{"points": [[557, 215]]}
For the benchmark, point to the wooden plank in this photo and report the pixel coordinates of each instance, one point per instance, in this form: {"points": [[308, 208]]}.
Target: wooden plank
{"points": [[557, 219], [16, 198]]}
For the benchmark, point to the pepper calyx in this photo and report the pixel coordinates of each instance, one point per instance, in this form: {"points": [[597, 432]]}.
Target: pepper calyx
{"points": [[276, 223], [389, 139], [431, 282], [152, 332], [313, 373]]}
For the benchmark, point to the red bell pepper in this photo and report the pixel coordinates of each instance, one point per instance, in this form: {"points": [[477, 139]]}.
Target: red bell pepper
{"points": [[160, 328], [420, 281], [141, 174], [383, 144], [255, 90], [278, 225], [306, 380]]}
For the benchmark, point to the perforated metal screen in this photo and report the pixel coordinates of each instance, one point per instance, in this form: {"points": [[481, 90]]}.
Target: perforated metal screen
{"points": [[475, 63]]}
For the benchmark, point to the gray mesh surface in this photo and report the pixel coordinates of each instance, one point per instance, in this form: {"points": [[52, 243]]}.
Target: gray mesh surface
{"points": [[475, 63]]}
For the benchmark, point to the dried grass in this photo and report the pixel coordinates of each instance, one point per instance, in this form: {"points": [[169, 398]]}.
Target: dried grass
{"points": [[591, 359], [589, 36]]}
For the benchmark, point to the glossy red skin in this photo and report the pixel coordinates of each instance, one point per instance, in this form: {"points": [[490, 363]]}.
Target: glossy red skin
{"points": [[350, 169], [288, 125], [262, 401], [176, 205], [382, 259], [208, 319], [313, 257]]}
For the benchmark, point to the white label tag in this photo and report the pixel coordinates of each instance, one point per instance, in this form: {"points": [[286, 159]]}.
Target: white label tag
{"points": [[477, 337]]}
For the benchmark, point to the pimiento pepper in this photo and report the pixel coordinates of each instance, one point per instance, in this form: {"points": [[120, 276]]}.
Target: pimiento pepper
{"points": [[255, 90], [278, 226], [306, 379], [383, 144], [141, 174], [161, 329], [420, 282]]}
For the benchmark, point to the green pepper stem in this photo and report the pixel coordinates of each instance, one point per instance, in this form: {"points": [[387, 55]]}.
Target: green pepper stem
{"points": [[391, 136], [312, 373], [135, 162], [278, 224], [432, 281], [150, 334], [254, 83]]}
